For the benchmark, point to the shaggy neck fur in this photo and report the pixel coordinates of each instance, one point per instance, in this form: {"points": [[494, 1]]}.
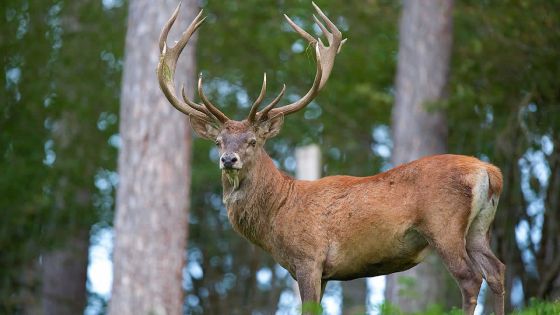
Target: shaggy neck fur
{"points": [[255, 197]]}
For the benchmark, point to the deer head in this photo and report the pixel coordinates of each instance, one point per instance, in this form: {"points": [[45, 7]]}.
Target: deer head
{"points": [[240, 141]]}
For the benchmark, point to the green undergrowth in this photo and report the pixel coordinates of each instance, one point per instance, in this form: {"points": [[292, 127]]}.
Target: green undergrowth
{"points": [[535, 307]]}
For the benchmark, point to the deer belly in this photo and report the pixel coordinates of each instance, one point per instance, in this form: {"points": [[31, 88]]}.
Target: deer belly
{"points": [[374, 257]]}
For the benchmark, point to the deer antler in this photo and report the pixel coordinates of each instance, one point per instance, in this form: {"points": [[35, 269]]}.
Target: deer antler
{"points": [[211, 108], [253, 113], [255, 106], [166, 73], [325, 56]]}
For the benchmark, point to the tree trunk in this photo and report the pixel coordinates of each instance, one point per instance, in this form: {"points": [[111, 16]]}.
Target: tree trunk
{"points": [[419, 128], [64, 276], [154, 172]]}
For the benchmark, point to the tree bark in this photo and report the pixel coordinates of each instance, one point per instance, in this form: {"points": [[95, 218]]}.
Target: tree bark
{"points": [[419, 129], [154, 172]]}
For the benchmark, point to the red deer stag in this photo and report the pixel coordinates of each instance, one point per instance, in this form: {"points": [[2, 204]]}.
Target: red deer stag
{"points": [[343, 227]]}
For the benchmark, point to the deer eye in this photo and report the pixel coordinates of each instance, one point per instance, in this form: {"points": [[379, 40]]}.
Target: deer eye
{"points": [[217, 142], [253, 142]]}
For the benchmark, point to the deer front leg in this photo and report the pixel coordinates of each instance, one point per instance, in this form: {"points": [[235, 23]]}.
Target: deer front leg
{"points": [[309, 283]]}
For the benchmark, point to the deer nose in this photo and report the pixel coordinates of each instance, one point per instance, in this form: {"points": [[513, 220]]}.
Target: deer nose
{"points": [[229, 159]]}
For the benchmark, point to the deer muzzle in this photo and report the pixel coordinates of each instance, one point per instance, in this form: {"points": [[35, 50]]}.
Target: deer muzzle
{"points": [[230, 161]]}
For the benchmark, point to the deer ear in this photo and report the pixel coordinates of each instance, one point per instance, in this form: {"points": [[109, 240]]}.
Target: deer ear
{"points": [[204, 128], [271, 127]]}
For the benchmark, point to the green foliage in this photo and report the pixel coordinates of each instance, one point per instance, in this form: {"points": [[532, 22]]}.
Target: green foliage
{"points": [[312, 308], [537, 307], [387, 308], [59, 110], [502, 62], [505, 104]]}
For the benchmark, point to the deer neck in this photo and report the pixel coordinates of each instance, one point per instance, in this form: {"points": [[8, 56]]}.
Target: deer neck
{"points": [[255, 197]]}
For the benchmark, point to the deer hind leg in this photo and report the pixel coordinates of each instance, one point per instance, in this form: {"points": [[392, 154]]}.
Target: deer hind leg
{"points": [[460, 266], [478, 248], [449, 243], [493, 270]]}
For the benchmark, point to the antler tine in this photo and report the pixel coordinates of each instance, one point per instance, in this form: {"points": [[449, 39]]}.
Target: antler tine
{"points": [[329, 23], [255, 106], [299, 30], [322, 27], [167, 28], [325, 56], [186, 35], [211, 108], [263, 115], [194, 105], [167, 64], [334, 39]]}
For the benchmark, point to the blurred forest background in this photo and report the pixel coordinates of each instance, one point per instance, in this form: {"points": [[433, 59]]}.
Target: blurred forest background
{"points": [[63, 66]]}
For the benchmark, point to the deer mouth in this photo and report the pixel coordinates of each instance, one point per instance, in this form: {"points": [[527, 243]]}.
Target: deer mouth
{"points": [[232, 175], [230, 168]]}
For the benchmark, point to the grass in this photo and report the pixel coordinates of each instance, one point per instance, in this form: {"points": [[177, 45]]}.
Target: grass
{"points": [[535, 307]]}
